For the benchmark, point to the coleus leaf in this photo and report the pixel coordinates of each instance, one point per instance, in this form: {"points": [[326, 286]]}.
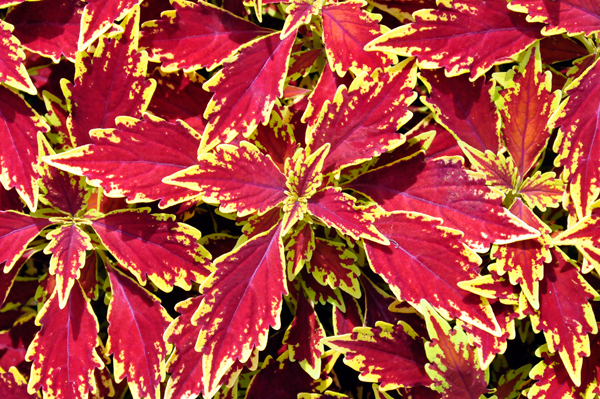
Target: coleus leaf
{"points": [[19, 129], [299, 249], [157, 247], [566, 16], [321, 293], [246, 89], [579, 120], [464, 108], [98, 17], [564, 292], [299, 13], [391, 355], [324, 90], [12, 70], [17, 230], [59, 189], [584, 235], [462, 36], [542, 190], [553, 378], [63, 351], [509, 384], [283, 379], [303, 338], [132, 159], [196, 35], [526, 105], [8, 278], [524, 260], [48, 27], [344, 322], [14, 385], [454, 368], [559, 48], [334, 264], [422, 249], [68, 244], [337, 209], [276, 138], [361, 122], [500, 172], [180, 96], [346, 30], [112, 83], [442, 188], [135, 336], [303, 178], [241, 179], [241, 300]]}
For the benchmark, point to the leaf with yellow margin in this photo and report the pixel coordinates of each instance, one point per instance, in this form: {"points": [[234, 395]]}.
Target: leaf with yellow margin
{"points": [[131, 159], [361, 122], [241, 300], [390, 355], [565, 315], [63, 351], [196, 35], [246, 89], [542, 190], [500, 172], [299, 13], [17, 230], [68, 244], [156, 248], [462, 36], [572, 17], [240, 179], [19, 154], [347, 28], [578, 140], [111, 83], [585, 235], [454, 366], [299, 249], [422, 250], [526, 104], [303, 338], [12, 70], [137, 322], [98, 16], [332, 263]]}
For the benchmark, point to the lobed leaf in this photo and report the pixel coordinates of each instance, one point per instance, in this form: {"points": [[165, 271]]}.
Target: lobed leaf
{"points": [[99, 15], [12, 70]]}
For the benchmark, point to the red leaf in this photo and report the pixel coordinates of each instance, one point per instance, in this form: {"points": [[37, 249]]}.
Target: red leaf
{"points": [[526, 105], [196, 35], [98, 17], [276, 139], [423, 250], [392, 356], [442, 188], [336, 209], [464, 108], [565, 315], [111, 83], [299, 13], [246, 89], [333, 264], [14, 386], [155, 247], [566, 16], [346, 30], [241, 179], [48, 27], [299, 249], [12, 70], [361, 123], [135, 336], [462, 36], [577, 141], [63, 352], [558, 48], [453, 366], [16, 232], [179, 96], [132, 159], [19, 126], [303, 338], [242, 299], [344, 322], [67, 246]]}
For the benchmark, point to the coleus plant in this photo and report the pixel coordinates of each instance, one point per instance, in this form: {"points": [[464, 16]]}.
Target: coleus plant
{"points": [[222, 199]]}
